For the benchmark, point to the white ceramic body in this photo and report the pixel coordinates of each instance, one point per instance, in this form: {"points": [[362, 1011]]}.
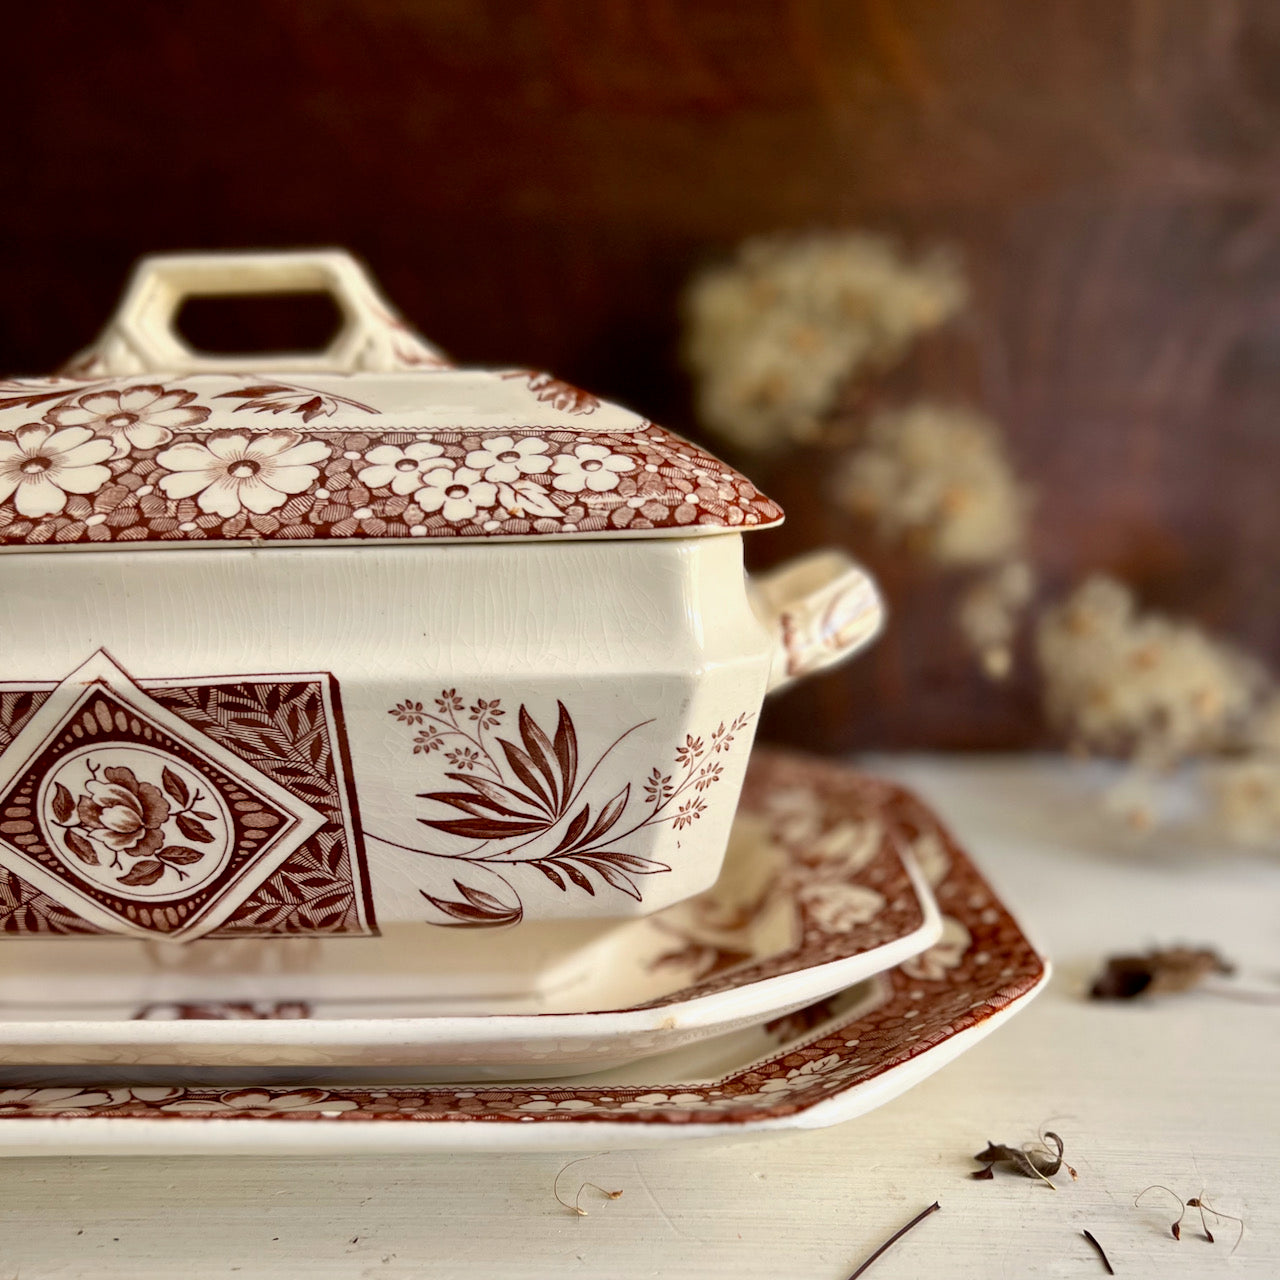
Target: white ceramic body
{"points": [[234, 704], [653, 649]]}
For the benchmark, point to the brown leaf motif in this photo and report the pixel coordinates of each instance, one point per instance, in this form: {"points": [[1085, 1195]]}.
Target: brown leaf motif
{"points": [[81, 848], [175, 786], [476, 908], [179, 855], [280, 397], [147, 871], [193, 829], [63, 805]]}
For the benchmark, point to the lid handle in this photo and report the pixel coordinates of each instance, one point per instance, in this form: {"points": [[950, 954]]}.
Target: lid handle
{"points": [[141, 338]]}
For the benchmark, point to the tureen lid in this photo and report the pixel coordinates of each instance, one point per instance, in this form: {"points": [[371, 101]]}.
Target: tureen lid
{"points": [[141, 441]]}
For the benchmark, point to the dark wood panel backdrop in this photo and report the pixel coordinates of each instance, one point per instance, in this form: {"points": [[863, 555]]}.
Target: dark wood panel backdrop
{"points": [[533, 181]]}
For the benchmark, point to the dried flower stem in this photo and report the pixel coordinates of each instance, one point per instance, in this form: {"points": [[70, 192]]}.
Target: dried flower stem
{"points": [[1102, 1253], [576, 1206], [1196, 1202], [1199, 1202], [897, 1235], [1176, 1229]]}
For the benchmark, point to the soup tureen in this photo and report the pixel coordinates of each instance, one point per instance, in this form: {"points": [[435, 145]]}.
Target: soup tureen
{"points": [[305, 645]]}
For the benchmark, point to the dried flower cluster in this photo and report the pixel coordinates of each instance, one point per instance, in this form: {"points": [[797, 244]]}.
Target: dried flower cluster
{"points": [[991, 611], [778, 337], [1144, 685], [1246, 797], [1163, 692], [937, 479], [776, 334]]}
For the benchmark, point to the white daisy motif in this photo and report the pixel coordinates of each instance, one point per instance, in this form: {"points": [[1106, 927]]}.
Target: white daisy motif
{"points": [[504, 459], [262, 1100], [236, 471], [546, 1104], [400, 470], [139, 417], [23, 1101], [457, 495], [40, 465], [590, 466]]}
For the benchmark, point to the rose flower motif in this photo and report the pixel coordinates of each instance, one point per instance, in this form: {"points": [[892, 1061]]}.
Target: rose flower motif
{"points": [[590, 466], [235, 470], [400, 470], [138, 417], [504, 459], [457, 495], [122, 814], [40, 465]]}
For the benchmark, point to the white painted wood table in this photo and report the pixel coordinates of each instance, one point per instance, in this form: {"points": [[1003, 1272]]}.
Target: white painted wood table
{"points": [[1181, 1092]]}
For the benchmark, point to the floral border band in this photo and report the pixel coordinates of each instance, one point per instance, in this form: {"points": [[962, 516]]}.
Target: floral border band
{"points": [[148, 462]]}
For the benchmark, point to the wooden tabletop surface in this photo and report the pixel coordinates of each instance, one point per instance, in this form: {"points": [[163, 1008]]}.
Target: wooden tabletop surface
{"points": [[1180, 1092]]}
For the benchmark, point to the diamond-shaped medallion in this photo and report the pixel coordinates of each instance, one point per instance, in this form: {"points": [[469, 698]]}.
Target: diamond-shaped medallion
{"points": [[127, 815]]}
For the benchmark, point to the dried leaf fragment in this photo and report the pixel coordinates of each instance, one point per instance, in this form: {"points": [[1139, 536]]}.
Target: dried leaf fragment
{"points": [[1102, 1253], [1161, 971], [893, 1239], [1041, 1159]]}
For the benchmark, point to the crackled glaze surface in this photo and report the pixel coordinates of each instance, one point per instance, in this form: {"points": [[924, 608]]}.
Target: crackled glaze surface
{"points": [[531, 806]]}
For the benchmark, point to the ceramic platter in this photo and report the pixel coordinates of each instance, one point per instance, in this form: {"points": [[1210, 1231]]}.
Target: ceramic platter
{"points": [[833, 1061], [817, 895]]}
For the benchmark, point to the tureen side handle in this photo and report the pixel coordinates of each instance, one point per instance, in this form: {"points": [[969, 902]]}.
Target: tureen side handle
{"points": [[142, 338], [823, 607]]}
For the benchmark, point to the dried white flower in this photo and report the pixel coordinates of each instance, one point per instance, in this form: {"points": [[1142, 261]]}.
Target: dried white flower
{"points": [[937, 478], [773, 336], [990, 611], [1141, 684], [1246, 798]]}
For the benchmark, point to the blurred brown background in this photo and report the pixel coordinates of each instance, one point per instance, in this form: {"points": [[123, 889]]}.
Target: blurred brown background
{"points": [[532, 183]]}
